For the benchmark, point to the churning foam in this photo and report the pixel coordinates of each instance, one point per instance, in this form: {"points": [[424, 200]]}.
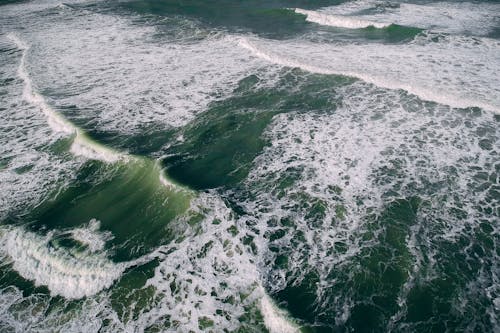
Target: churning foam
{"points": [[28, 172], [370, 148], [189, 273], [130, 77], [275, 319], [339, 20], [431, 76], [450, 17], [70, 274], [91, 236], [82, 145], [56, 122]]}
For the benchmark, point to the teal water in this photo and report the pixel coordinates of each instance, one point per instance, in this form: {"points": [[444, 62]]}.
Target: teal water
{"points": [[249, 166]]}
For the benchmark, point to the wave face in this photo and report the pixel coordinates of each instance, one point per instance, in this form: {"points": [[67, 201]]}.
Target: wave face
{"points": [[229, 166]]}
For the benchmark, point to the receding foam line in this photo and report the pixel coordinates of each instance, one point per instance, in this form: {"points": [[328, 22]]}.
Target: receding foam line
{"points": [[338, 20], [425, 94], [82, 145]]}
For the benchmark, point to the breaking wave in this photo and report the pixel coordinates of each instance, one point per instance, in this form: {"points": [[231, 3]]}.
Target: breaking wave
{"points": [[339, 20]]}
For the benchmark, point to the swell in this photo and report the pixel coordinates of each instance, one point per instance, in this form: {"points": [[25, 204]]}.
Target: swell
{"points": [[67, 272], [423, 93]]}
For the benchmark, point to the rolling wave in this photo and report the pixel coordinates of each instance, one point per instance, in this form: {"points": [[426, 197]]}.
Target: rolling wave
{"points": [[71, 275], [353, 168], [295, 55], [82, 144], [339, 21], [478, 19]]}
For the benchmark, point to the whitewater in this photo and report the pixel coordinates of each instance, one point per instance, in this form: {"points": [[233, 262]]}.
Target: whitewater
{"points": [[249, 167]]}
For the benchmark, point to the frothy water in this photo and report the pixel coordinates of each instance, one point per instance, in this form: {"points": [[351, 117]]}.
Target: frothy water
{"points": [[478, 19], [339, 21], [56, 122], [91, 237], [29, 169], [155, 83], [82, 146], [359, 156], [274, 318], [427, 68], [72, 275], [341, 168]]}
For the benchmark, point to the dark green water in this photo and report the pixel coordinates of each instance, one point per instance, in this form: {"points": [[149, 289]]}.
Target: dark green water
{"points": [[246, 166]]}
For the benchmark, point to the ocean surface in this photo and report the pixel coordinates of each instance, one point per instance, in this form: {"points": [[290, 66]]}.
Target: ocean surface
{"points": [[249, 166]]}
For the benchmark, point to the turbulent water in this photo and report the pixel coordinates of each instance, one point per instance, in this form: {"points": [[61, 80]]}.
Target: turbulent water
{"points": [[249, 166]]}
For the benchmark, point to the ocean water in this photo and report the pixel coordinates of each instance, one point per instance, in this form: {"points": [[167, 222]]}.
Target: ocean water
{"points": [[249, 166]]}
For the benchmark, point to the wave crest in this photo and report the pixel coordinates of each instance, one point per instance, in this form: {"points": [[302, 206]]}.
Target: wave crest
{"points": [[339, 21]]}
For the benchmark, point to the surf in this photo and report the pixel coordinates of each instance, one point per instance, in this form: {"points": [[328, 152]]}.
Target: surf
{"points": [[82, 144], [339, 21], [257, 48], [71, 275]]}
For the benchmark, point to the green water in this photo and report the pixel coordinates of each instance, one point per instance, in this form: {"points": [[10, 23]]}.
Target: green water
{"points": [[220, 188]]}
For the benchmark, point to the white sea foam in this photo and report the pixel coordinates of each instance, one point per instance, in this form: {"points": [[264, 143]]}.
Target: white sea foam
{"points": [[372, 147], [82, 145], [69, 272], [349, 147], [449, 72], [339, 20], [123, 78], [72, 275], [206, 274], [275, 319], [56, 122], [28, 172], [91, 236], [450, 17]]}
